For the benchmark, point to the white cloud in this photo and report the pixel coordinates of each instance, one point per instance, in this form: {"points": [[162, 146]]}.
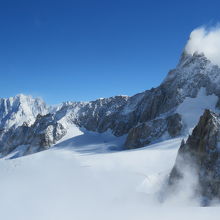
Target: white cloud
{"points": [[205, 40]]}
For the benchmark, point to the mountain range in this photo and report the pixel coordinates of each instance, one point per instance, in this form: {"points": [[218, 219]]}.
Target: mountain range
{"points": [[170, 110]]}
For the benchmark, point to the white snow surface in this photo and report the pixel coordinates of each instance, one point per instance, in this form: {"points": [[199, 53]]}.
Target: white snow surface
{"points": [[14, 111], [192, 108], [62, 183]]}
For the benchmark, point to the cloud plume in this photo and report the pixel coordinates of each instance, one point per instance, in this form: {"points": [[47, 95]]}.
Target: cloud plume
{"points": [[205, 40]]}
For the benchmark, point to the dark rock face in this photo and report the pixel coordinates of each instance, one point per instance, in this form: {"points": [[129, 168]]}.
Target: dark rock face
{"points": [[144, 133], [103, 114], [140, 116], [151, 131], [174, 125], [202, 153]]}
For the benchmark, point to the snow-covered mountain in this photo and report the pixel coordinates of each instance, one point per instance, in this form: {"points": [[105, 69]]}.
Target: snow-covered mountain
{"points": [[14, 111], [170, 110]]}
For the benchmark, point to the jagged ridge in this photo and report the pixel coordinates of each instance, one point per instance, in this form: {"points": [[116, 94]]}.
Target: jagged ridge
{"points": [[144, 118], [201, 153]]}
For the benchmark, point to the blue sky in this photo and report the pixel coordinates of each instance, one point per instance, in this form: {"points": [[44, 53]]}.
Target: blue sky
{"points": [[86, 49]]}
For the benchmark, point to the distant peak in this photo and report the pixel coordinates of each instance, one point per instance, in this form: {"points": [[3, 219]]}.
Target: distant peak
{"points": [[23, 96]]}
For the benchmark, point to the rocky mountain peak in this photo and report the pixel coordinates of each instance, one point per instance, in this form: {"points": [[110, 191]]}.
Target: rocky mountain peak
{"points": [[196, 58], [201, 152], [205, 136], [190, 66]]}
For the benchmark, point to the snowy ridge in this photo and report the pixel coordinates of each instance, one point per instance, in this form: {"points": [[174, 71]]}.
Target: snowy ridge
{"points": [[145, 118], [14, 111]]}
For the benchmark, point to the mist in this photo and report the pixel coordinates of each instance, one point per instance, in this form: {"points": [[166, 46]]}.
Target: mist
{"points": [[61, 184]]}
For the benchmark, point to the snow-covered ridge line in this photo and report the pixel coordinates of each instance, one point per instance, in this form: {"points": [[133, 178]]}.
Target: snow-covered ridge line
{"points": [[14, 111], [156, 114]]}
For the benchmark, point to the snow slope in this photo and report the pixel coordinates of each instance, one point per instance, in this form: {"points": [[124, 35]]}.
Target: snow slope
{"points": [[192, 108], [62, 183]]}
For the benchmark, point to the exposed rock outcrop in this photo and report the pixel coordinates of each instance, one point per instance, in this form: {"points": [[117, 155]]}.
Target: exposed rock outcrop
{"points": [[201, 153], [154, 130], [45, 132]]}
